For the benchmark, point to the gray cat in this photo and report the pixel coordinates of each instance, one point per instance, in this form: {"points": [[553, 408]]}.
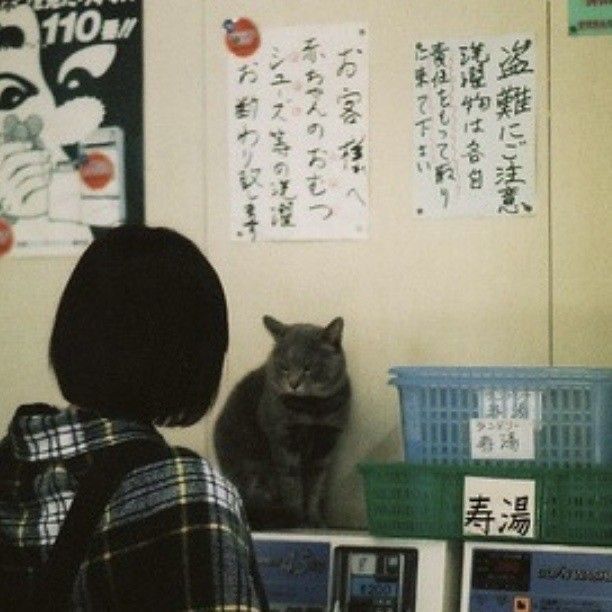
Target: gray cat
{"points": [[275, 435]]}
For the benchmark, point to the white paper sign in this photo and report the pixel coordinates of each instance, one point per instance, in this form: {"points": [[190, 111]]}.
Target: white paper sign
{"points": [[500, 507], [298, 135], [502, 439], [474, 126], [509, 404]]}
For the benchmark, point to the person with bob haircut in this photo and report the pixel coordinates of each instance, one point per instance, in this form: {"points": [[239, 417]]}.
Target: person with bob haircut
{"points": [[139, 340]]}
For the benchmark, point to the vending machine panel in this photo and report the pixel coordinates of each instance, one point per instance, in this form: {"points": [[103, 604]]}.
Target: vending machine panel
{"points": [[375, 579], [539, 578], [320, 571]]}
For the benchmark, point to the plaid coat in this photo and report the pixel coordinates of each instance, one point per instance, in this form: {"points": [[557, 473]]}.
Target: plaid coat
{"points": [[170, 531]]}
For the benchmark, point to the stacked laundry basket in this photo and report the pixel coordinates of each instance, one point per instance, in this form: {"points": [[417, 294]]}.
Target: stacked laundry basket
{"points": [[498, 453]]}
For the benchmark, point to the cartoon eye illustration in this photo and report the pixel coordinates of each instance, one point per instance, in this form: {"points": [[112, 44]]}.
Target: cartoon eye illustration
{"points": [[14, 90], [87, 64], [77, 78]]}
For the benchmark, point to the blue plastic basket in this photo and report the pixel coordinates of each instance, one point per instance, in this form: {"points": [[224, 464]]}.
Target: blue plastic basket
{"points": [[571, 410]]}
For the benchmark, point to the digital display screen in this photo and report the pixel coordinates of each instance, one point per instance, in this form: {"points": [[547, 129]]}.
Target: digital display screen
{"points": [[369, 587], [501, 570]]}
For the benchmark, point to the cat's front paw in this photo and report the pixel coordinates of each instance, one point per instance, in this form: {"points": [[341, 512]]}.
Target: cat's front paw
{"points": [[315, 520]]}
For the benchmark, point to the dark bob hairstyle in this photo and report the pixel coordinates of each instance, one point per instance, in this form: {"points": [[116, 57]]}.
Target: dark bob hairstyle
{"points": [[141, 328]]}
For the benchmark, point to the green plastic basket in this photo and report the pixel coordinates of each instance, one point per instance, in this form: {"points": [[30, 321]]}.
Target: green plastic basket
{"points": [[573, 506]]}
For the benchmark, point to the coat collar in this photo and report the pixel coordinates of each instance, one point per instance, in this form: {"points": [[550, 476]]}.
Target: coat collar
{"points": [[39, 432]]}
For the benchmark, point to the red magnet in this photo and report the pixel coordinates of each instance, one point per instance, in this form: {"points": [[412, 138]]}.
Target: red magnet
{"points": [[97, 171], [242, 36], [6, 237]]}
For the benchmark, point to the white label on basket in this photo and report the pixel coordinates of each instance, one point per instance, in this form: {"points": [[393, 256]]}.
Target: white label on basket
{"points": [[509, 404], [502, 439], [499, 507]]}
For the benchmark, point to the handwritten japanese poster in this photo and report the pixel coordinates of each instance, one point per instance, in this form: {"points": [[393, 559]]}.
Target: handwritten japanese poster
{"points": [[501, 507], [71, 144], [298, 135], [474, 127]]}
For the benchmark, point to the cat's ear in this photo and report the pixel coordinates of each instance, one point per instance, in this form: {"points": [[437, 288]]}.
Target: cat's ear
{"points": [[276, 328], [333, 332]]}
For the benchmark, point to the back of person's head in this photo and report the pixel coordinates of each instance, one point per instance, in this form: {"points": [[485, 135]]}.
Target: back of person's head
{"points": [[141, 328]]}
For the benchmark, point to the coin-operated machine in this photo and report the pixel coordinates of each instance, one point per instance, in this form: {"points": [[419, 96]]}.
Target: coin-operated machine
{"points": [[536, 578], [370, 578], [352, 572]]}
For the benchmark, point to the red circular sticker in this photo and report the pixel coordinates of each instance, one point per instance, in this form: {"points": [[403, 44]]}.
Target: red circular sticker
{"points": [[6, 237], [97, 171], [242, 37]]}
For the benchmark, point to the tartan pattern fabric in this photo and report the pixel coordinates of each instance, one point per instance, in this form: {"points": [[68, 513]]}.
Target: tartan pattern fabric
{"points": [[172, 537]]}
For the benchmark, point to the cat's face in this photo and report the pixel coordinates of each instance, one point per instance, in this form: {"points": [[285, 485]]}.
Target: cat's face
{"points": [[307, 360]]}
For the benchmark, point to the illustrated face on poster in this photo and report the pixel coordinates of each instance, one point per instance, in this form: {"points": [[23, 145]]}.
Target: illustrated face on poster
{"points": [[62, 170]]}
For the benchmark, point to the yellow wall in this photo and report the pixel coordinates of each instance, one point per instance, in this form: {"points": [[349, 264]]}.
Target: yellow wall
{"points": [[581, 195], [418, 291]]}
